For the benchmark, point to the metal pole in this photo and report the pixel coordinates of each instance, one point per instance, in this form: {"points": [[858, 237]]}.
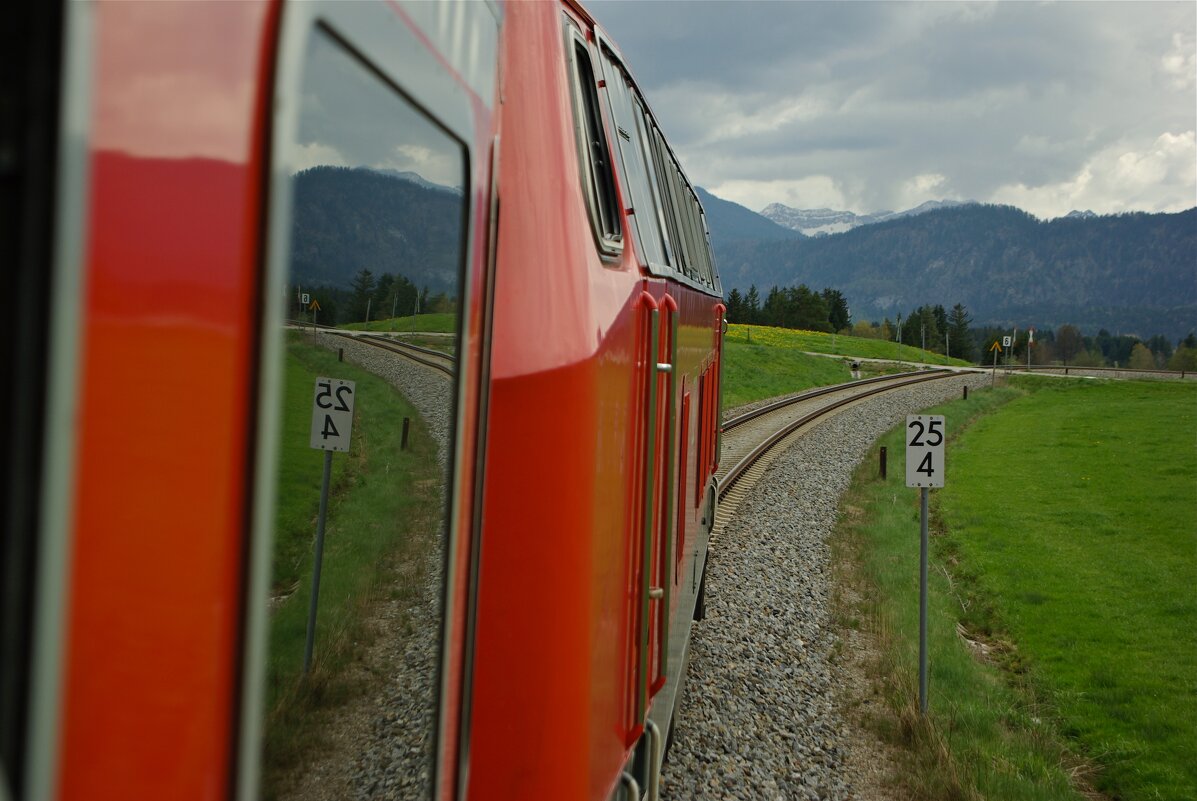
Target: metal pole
{"points": [[993, 377], [923, 605], [312, 603], [368, 302]]}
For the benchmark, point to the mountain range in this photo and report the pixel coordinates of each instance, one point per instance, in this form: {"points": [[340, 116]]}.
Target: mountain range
{"points": [[823, 222], [350, 219], [1129, 273]]}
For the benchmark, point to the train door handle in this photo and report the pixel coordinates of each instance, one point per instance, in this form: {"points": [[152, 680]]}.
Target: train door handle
{"points": [[650, 461], [670, 369]]}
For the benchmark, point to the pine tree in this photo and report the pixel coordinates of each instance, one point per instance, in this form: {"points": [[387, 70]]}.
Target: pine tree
{"points": [[363, 290], [752, 305], [960, 341], [735, 307]]}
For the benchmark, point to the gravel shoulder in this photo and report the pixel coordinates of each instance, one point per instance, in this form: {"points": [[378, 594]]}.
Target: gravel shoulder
{"points": [[773, 690]]}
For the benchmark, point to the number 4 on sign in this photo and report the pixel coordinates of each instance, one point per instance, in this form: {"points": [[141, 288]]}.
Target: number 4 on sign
{"points": [[332, 414], [924, 450]]}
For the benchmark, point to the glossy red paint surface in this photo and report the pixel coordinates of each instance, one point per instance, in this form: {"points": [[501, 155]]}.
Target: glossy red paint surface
{"points": [[168, 338], [558, 613]]}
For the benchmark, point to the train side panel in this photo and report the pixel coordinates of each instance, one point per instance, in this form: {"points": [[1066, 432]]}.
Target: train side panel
{"points": [[561, 649]]}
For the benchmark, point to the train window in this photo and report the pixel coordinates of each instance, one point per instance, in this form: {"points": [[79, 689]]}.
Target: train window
{"points": [[633, 164], [378, 215], [669, 207], [594, 152]]}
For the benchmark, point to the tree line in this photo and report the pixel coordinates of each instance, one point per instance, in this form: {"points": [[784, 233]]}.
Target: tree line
{"points": [[1067, 345], [791, 307], [950, 332], [370, 298]]}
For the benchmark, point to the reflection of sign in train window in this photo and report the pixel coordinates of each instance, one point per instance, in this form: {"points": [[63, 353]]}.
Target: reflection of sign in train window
{"points": [[332, 414], [376, 232]]}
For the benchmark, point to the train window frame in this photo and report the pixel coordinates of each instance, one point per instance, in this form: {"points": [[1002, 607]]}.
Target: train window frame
{"points": [[634, 162], [644, 128], [398, 43], [599, 187]]}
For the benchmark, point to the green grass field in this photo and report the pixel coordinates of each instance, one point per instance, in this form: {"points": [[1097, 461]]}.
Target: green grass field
{"points": [[444, 322], [384, 507], [1089, 554], [777, 361], [754, 372], [1066, 548], [837, 344]]}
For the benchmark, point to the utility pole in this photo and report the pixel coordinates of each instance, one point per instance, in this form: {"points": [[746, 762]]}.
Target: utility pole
{"points": [[947, 348]]}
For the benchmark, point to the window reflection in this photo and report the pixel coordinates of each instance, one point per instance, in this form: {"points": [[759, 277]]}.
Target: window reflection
{"points": [[378, 214]]}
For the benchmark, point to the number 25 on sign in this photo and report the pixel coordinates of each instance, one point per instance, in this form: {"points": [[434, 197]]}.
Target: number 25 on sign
{"points": [[332, 414], [924, 450]]}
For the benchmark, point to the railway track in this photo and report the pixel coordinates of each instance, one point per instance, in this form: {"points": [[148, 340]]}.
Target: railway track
{"points": [[428, 357], [752, 440]]}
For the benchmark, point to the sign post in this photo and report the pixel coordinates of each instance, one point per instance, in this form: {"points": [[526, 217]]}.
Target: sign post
{"points": [[332, 423], [995, 349], [924, 469], [314, 308]]}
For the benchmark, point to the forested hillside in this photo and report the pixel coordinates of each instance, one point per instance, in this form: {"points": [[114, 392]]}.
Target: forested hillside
{"points": [[348, 220], [1131, 273]]}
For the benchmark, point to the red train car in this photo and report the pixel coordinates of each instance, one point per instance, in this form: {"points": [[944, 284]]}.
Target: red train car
{"points": [[175, 178]]}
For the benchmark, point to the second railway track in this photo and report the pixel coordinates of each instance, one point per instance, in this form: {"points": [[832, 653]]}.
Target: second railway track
{"points": [[438, 360], [752, 440]]}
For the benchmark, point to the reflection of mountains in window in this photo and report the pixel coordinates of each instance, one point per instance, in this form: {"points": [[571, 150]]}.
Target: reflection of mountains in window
{"points": [[349, 219]]}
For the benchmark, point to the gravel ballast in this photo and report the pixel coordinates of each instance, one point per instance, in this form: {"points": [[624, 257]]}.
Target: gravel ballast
{"points": [[379, 745], [759, 717]]}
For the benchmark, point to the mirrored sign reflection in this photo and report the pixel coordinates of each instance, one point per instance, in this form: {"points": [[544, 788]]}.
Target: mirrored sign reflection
{"points": [[376, 254]]}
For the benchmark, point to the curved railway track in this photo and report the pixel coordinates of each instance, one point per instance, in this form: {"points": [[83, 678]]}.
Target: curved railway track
{"points": [[761, 434], [437, 360]]}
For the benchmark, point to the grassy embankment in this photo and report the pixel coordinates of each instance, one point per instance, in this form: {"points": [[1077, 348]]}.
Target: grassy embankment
{"points": [[444, 323], [1064, 547], [775, 361], [836, 344], [371, 528]]}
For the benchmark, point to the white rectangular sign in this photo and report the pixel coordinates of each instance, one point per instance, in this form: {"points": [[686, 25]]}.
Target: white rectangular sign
{"points": [[924, 450], [1006, 342], [332, 414]]}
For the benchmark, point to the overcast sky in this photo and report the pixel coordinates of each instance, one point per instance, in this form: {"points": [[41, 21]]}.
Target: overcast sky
{"points": [[870, 106]]}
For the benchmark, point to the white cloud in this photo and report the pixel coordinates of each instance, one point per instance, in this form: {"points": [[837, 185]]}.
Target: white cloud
{"points": [[440, 166], [921, 188], [1159, 176], [1180, 63], [315, 154], [812, 192]]}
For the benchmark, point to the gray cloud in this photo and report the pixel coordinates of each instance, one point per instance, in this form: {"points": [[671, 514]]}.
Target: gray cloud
{"points": [[877, 105]]}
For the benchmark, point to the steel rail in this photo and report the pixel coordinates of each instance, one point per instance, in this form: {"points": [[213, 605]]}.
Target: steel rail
{"points": [[440, 354], [403, 350], [730, 478], [740, 419]]}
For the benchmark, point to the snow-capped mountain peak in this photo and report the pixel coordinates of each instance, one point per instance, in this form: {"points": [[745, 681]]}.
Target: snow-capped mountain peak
{"points": [[823, 222]]}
